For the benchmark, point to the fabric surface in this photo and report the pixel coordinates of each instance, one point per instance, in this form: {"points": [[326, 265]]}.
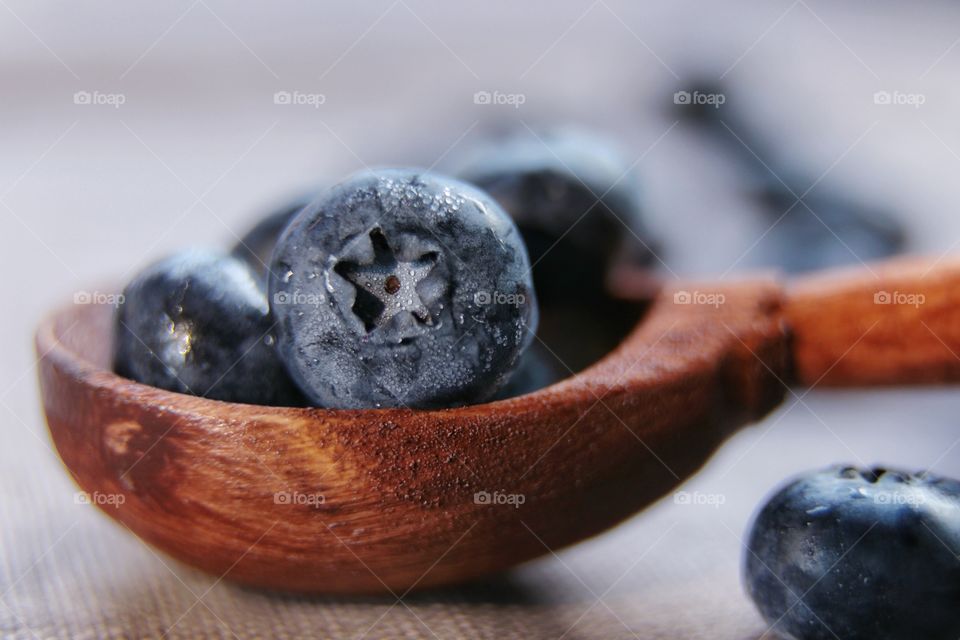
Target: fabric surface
{"points": [[199, 148]]}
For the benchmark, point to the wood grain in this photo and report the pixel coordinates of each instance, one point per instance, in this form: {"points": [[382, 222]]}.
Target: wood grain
{"points": [[896, 322], [227, 487]]}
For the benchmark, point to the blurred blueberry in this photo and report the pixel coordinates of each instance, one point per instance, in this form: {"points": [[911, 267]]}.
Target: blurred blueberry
{"points": [[827, 229], [576, 202], [845, 553], [256, 245], [807, 225]]}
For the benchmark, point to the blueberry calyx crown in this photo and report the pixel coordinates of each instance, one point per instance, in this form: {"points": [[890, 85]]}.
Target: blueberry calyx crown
{"points": [[387, 286]]}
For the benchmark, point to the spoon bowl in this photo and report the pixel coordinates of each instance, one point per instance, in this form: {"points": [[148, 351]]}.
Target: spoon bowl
{"points": [[373, 501], [361, 501]]}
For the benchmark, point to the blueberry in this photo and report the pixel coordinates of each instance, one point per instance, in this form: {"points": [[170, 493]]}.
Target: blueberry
{"points": [[402, 288], [830, 229], [845, 553], [537, 369], [198, 322], [576, 202], [256, 245], [828, 226]]}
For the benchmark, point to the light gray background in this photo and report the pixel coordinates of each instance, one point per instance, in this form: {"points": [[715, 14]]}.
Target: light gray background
{"points": [[89, 193]]}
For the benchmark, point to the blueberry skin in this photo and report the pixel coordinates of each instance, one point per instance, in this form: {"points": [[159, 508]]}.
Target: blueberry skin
{"points": [[537, 369], [550, 184], [198, 322], [402, 288], [872, 554], [255, 247]]}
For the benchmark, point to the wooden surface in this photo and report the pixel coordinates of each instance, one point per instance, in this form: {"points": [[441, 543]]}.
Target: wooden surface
{"points": [[397, 489], [891, 323], [401, 485]]}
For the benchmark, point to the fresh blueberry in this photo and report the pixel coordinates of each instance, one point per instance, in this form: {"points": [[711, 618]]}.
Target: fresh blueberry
{"points": [[256, 245], [402, 288], [845, 553], [576, 202], [198, 322]]}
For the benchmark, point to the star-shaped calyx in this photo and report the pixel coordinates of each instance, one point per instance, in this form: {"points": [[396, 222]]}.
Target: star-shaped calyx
{"points": [[387, 286]]}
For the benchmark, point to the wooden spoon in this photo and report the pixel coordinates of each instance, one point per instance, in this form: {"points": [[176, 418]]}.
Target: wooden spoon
{"points": [[391, 500]]}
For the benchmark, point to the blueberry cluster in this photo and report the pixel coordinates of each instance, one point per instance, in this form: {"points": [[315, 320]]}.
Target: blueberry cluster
{"points": [[399, 287], [393, 288], [405, 288]]}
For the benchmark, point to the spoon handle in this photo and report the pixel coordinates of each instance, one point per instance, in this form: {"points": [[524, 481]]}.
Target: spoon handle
{"points": [[890, 323]]}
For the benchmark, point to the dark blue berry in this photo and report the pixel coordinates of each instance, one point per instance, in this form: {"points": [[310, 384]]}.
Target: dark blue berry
{"points": [[256, 246], [845, 553], [828, 226], [829, 229], [198, 322], [576, 202], [537, 369], [402, 288]]}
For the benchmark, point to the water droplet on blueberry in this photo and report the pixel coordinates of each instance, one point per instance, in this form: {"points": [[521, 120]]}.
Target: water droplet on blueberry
{"points": [[811, 545]]}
